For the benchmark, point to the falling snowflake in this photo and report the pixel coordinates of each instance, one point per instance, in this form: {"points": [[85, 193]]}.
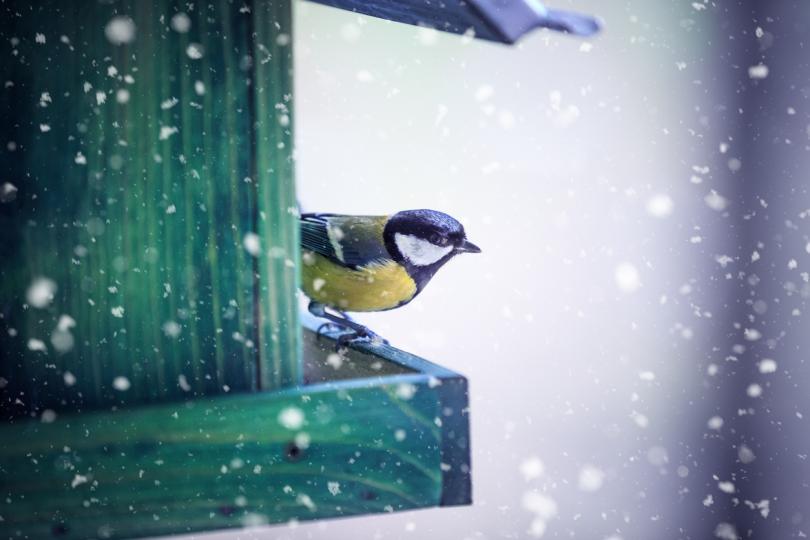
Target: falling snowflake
{"points": [[627, 277], [166, 132], [194, 51], [590, 478], [120, 30], [291, 418], [180, 23], [121, 383], [41, 292], [252, 244]]}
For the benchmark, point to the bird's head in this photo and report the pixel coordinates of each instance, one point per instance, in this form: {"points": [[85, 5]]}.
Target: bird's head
{"points": [[423, 240]]}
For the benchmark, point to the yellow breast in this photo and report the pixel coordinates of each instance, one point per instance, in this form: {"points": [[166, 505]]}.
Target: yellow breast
{"points": [[375, 288]]}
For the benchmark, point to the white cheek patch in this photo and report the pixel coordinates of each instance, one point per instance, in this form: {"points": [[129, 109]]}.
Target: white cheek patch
{"points": [[418, 251]]}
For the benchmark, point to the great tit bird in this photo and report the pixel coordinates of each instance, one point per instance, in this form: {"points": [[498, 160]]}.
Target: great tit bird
{"points": [[374, 263]]}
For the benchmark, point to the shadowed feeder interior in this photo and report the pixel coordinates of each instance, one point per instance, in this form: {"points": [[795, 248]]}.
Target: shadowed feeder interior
{"points": [[155, 190]]}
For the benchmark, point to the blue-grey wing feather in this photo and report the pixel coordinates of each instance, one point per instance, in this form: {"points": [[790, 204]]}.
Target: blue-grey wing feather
{"points": [[315, 236], [359, 238]]}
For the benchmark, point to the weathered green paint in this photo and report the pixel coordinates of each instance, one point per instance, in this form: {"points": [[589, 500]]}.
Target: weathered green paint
{"points": [[119, 216], [278, 208], [377, 444], [222, 462]]}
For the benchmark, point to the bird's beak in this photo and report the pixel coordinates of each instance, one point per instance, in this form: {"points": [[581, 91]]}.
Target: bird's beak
{"points": [[468, 247]]}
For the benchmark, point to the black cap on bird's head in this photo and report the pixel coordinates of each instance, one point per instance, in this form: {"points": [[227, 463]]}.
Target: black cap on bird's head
{"points": [[423, 240]]}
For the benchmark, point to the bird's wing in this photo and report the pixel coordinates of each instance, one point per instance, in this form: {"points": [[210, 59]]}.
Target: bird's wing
{"points": [[355, 241]]}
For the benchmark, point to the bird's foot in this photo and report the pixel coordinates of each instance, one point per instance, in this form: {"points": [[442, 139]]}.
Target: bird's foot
{"points": [[328, 327], [343, 322], [359, 333]]}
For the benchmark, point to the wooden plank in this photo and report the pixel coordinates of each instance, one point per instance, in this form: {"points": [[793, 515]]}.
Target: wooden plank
{"points": [[381, 360], [381, 443], [225, 462], [453, 394], [136, 189], [277, 206]]}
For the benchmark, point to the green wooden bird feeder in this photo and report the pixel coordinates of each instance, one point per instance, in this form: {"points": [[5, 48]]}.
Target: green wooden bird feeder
{"points": [[154, 375]]}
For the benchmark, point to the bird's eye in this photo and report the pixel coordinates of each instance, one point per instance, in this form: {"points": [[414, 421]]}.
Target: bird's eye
{"points": [[438, 239]]}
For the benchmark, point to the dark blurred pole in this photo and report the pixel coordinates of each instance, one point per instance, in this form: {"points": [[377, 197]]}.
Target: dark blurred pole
{"points": [[769, 435], [751, 473], [709, 450]]}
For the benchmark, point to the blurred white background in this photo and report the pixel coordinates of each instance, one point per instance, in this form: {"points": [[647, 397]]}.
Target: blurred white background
{"points": [[582, 169]]}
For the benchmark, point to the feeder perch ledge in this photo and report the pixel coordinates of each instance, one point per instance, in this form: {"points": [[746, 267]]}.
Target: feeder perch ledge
{"points": [[381, 431]]}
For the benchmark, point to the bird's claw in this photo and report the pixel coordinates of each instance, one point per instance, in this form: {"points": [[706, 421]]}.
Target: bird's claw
{"points": [[343, 322], [327, 327], [362, 333], [344, 340], [375, 339]]}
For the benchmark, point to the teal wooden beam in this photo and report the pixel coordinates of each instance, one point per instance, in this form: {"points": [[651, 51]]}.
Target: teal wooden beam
{"points": [[150, 146], [384, 431], [277, 219]]}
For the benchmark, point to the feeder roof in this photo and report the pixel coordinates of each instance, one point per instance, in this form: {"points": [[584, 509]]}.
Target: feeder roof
{"points": [[504, 21]]}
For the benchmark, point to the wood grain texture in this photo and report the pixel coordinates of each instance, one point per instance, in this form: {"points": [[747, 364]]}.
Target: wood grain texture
{"points": [[355, 446], [277, 219], [140, 169]]}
